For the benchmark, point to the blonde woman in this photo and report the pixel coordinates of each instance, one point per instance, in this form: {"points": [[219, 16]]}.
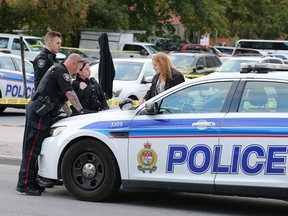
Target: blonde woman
{"points": [[166, 76]]}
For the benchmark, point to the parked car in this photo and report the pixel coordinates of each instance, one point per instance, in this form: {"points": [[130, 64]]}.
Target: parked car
{"points": [[233, 64], [247, 52], [193, 65], [133, 77], [68, 51], [195, 47], [168, 45], [225, 49], [32, 46], [223, 134], [11, 80]]}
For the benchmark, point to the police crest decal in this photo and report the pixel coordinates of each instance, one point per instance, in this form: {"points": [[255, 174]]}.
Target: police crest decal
{"points": [[147, 159]]}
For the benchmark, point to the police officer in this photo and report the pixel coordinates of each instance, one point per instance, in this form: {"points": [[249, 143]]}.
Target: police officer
{"points": [[89, 91], [52, 94], [41, 64], [45, 59]]}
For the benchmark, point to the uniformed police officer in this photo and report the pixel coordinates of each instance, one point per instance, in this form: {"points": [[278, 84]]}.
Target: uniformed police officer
{"points": [[41, 64], [52, 94], [89, 91], [45, 59]]}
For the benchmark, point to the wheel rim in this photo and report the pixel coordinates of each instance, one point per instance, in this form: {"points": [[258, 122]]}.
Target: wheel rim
{"points": [[88, 171]]}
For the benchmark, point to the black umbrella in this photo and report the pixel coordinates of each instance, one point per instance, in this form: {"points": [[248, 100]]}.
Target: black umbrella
{"points": [[106, 71]]}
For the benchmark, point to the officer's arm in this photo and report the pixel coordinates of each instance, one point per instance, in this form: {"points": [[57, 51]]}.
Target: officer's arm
{"points": [[67, 109], [72, 97]]}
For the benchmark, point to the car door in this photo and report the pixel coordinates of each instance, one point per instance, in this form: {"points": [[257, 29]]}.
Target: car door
{"points": [[12, 85], [177, 145], [254, 140]]}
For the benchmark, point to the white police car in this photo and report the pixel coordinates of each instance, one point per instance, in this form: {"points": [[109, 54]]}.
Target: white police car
{"points": [[133, 77], [11, 81], [218, 134]]}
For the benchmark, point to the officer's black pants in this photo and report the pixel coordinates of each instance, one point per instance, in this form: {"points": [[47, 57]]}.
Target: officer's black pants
{"points": [[36, 130]]}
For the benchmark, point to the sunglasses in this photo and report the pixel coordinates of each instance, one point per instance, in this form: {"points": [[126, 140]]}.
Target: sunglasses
{"points": [[84, 64]]}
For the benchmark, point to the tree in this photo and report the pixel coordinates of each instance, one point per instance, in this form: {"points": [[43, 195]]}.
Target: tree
{"points": [[105, 14], [258, 19], [37, 17]]}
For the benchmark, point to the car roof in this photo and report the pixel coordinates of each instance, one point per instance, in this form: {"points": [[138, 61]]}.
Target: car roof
{"points": [[192, 54], [17, 36], [136, 60], [9, 55]]}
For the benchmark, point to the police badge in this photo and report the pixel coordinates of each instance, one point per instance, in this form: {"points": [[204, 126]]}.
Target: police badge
{"points": [[147, 158], [67, 77], [41, 63]]}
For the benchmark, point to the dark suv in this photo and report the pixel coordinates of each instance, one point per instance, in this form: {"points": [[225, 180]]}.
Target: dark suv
{"points": [[194, 65]]}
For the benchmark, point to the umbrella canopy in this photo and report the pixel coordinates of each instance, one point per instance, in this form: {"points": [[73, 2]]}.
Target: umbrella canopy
{"points": [[106, 72]]}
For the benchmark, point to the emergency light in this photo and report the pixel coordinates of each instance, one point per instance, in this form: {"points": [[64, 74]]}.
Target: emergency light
{"points": [[262, 67]]}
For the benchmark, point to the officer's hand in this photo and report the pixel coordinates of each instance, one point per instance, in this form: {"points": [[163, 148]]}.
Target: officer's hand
{"points": [[105, 108], [82, 85]]}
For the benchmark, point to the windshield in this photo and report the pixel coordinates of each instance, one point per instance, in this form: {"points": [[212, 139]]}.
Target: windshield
{"points": [[234, 65], [182, 61], [124, 71], [35, 44], [153, 49]]}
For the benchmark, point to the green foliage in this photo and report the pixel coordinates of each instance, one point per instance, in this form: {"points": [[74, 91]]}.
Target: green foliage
{"points": [[265, 19]]}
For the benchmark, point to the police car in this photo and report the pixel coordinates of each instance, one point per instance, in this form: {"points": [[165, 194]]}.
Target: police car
{"points": [[219, 134], [12, 88]]}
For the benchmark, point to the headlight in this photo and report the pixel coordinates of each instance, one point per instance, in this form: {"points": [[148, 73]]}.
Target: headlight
{"points": [[56, 130]]}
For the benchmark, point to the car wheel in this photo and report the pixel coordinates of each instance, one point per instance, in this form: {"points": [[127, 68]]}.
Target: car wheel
{"points": [[90, 171]]}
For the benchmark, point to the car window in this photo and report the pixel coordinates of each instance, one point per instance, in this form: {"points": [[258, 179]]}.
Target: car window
{"points": [[202, 98], [4, 42], [28, 67], [128, 47], [7, 63], [217, 61], [127, 71], [200, 61], [264, 97], [149, 71], [16, 44], [182, 61], [209, 62], [35, 44]]}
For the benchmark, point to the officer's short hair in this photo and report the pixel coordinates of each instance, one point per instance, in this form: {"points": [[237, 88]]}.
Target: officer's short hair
{"points": [[51, 35]]}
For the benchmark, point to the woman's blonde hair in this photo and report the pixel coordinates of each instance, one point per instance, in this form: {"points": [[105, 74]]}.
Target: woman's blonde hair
{"points": [[166, 65]]}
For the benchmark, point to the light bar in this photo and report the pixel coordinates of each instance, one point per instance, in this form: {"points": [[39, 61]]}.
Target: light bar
{"points": [[262, 67]]}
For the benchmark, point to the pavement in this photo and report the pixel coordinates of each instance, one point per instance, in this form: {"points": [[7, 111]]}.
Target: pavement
{"points": [[11, 136]]}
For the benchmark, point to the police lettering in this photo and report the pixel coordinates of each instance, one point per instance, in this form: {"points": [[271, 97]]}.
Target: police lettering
{"points": [[251, 160], [18, 91]]}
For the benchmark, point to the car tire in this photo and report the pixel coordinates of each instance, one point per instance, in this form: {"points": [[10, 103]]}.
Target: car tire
{"points": [[90, 171]]}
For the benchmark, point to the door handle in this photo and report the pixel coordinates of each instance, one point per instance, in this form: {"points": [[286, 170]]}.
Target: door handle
{"points": [[202, 124]]}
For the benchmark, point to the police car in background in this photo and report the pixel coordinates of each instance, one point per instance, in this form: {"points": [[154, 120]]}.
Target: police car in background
{"points": [[224, 133], [11, 81]]}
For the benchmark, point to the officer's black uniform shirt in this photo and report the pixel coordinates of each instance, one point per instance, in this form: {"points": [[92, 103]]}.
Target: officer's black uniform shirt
{"points": [[43, 61], [92, 97], [55, 83]]}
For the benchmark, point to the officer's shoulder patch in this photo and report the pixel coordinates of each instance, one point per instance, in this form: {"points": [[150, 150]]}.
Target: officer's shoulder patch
{"points": [[66, 77], [41, 63]]}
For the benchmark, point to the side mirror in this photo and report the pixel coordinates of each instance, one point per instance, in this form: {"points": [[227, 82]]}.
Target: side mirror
{"points": [[151, 108], [143, 52], [148, 79], [200, 67]]}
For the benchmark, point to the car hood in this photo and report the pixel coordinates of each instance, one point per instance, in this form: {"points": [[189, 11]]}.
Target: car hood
{"points": [[83, 121]]}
